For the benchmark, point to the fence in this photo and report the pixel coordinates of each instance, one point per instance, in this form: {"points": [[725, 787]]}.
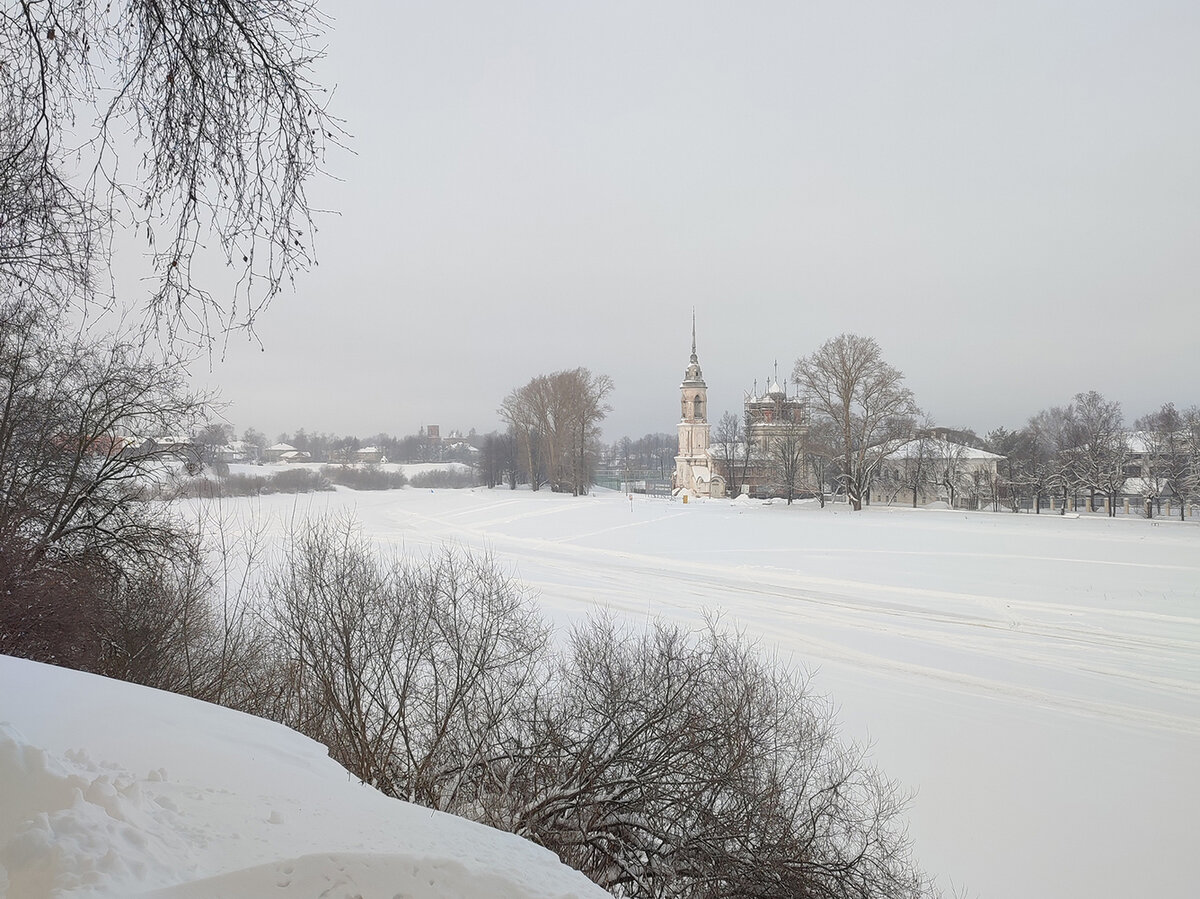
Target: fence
{"points": [[650, 483]]}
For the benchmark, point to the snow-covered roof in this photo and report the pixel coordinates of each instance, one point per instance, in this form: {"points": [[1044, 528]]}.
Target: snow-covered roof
{"points": [[281, 448], [936, 448], [1146, 443], [1145, 487]]}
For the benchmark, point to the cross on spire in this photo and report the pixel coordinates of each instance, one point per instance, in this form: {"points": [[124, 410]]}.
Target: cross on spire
{"points": [[694, 359]]}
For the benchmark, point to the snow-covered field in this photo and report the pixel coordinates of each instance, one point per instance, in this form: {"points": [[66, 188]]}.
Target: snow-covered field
{"points": [[1035, 679], [108, 789]]}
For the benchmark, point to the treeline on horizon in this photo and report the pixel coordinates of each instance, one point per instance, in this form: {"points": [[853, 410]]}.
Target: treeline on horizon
{"points": [[1084, 445]]}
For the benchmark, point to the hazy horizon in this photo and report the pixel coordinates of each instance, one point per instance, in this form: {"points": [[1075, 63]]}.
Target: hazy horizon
{"points": [[1006, 198]]}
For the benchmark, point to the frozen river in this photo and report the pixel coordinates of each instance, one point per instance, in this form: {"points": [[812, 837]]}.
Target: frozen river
{"points": [[1035, 679]]}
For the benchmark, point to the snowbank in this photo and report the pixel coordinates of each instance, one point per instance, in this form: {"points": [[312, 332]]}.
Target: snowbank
{"points": [[109, 789]]}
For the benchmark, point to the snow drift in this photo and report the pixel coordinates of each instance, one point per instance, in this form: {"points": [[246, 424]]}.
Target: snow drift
{"points": [[110, 789]]}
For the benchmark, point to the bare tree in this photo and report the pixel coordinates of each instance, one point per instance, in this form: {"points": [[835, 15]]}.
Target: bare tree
{"points": [[1170, 460], [917, 465], [1186, 483], [983, 487], [586, 408], [187, 119], [622, 455], [1054, 455], [732, 450], [1015, 472], [95, 572], [556, 420], [821, 453], [510, 454], [256, 442], [72, 475], [491, 460], [847, 381], [523, 415], [786, 451], [659, 762], [1103, 445], [947, 460]]}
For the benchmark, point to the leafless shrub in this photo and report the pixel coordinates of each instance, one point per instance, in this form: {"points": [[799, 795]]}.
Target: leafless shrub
{"points": [[189, 625], [298, 480], [404, 669], [202, 488], [677, 764], [659, 762], [154, 621], [368, 478], [445, 479], [181, 621], [50, 614]]}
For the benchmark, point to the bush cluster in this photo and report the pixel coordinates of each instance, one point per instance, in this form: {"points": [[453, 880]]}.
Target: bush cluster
{"points": [[305, 480], [658, 761], [367, 478], [445, 479], [293, 480]]}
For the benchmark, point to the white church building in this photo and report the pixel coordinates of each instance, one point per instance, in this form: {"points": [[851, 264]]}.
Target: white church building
{"points": [[695, 472]]}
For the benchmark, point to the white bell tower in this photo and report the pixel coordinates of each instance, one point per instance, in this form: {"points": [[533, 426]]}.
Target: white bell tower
{"points": [[692, 469]]}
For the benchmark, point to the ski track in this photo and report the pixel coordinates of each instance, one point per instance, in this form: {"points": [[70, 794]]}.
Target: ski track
{"points": [[1136, 667]]}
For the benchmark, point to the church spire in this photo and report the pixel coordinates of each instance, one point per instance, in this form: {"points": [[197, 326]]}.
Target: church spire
{"points": [[693, 375]]}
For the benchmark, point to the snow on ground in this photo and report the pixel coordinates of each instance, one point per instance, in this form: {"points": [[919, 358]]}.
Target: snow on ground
{"points": [[108, 789], [1036, 679]]}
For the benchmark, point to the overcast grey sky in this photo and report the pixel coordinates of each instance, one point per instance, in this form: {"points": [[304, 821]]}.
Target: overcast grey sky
{"points": [[1005, 195]]}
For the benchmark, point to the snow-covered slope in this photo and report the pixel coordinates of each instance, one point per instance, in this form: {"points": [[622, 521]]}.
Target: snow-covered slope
{"points": [[109, 789]]}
